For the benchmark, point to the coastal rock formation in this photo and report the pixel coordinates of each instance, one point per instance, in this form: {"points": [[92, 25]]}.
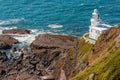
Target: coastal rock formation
{"points": [[6, 42], [50, 42], [63, 57], [16, 31], [53, 49], [46, 59], [29, 68], [3, 57]]}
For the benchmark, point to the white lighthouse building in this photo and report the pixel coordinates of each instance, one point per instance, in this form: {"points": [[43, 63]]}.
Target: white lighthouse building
{"points": [[96, 26]]}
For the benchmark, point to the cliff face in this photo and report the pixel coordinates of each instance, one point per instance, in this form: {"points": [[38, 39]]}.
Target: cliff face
{"points": [[53, 49], [103, 59], [62, 53], [79, 59], [66, 58], [6, 42]]}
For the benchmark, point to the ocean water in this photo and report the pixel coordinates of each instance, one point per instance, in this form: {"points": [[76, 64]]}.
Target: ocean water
{"points": [[71, 17]]}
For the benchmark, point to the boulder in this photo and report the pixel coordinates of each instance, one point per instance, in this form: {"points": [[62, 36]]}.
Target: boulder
{"points": [[47, 77], [3, 57], [2, 72], [52, 42], [92, 76], [51, 48], [16, 31], [6, 42]]}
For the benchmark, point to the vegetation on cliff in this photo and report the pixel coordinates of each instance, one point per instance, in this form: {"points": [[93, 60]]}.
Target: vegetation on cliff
{"points": [[77, 59], [104, 57]]}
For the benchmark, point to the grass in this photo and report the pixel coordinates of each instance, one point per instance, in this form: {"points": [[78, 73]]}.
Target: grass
{"points": [[107, 69], [104, 60], [84, 49]]}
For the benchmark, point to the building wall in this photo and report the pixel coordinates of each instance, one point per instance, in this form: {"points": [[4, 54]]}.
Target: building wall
{"points": [[94, 34]]}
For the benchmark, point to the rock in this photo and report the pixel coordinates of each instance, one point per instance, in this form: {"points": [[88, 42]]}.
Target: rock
{"points": [[21, 68], [52, 42], [83, 65], [34, 62], [6, 42], [4, 45], [3, 57], [39, 67], [2, 72], [51, 48], [25, 51], [22, 76], [48, 77], [33, 66], [62, 75], [92, 76], [13, 49], [16, 31]]}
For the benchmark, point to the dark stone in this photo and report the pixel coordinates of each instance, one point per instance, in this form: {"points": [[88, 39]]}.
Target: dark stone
{"points": [[3, 56], [2, 72], [52, 42], [16, 31], [14, 49], [6, 42]]}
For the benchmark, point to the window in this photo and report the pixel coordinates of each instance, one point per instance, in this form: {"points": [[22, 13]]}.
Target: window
{"points": [[98, 32]]}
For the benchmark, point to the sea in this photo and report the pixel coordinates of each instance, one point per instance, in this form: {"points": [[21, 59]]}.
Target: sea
{"points": [[66, 17]]}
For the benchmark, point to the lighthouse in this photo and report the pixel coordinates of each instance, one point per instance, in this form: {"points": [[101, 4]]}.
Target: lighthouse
{"points": [[95, 18], [97, 26]]}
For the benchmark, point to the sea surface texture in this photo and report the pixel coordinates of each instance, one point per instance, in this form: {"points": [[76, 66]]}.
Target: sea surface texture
{"points": [[71, 17]]}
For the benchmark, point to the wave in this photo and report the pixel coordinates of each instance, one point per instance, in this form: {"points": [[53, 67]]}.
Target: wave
{"points": [[10, 21], [55, 26], [82, 4], [24, 39], [6, 28]]}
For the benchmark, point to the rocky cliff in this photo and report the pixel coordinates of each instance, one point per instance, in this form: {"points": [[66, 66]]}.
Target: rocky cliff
{"points": [[6, 42], [63, 57], [103, 58]]}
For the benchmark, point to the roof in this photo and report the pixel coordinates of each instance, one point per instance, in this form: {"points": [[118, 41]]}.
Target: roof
{"points": [[101, 27]]}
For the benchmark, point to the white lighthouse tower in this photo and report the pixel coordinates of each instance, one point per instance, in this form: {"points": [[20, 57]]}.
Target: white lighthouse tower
{"points": [[96, 26], [95, 18]]}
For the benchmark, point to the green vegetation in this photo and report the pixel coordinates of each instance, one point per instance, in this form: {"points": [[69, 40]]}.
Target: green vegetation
{"points": [[105, 59], [85, 49], [82, 49], [107, 69], [77, 56]]}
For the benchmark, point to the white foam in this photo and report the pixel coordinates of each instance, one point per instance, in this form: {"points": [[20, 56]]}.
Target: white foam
{"points": [[26, 38], [10, 21], [6, 28], [82, 4], [55, 26]]}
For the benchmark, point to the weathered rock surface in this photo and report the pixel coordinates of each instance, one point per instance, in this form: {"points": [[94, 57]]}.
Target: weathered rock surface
{"points": [[92, 76], [22, 68], [48, 56], [3, 57], [6, 42], [52, 42], [53, 49], [16, 31]]}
